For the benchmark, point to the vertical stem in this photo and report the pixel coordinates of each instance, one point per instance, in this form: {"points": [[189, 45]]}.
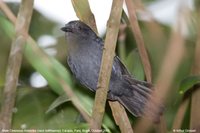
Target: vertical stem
{"points": [[106, 64], [120, 117], [139, 40], [14, 63]]}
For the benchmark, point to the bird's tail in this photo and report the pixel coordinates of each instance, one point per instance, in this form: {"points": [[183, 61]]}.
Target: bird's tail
{"points": [[140, 93]]}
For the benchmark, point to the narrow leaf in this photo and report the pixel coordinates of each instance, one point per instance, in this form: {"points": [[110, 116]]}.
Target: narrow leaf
{"points": [[60, 100], [188, 83]]}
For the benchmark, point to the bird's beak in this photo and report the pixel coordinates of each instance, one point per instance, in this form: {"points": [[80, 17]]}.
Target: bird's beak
{"points": [[66, 29]]}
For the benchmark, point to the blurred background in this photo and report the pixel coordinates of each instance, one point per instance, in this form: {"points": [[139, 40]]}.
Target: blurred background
{"points": [[40, 103]]}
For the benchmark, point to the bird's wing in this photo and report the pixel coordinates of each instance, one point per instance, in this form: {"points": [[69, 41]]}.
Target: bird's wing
{"points": [[126, 74], [119, 67]]}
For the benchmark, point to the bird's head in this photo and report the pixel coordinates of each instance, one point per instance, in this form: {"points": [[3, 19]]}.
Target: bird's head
{"points": [[78, 29]]}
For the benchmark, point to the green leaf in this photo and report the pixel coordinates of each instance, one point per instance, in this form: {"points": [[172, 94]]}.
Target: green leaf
{"points": [[188, 83], [60, 100]]}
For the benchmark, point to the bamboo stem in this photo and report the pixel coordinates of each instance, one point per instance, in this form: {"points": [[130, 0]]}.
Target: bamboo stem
{"points": [[14, 62], [106, 64], [139, 40]]}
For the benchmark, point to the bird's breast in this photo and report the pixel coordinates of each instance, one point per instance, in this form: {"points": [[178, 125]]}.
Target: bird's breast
{"points": [[85, 62]]}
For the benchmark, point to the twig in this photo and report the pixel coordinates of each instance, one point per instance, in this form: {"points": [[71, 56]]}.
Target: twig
{"points": [[139, 40], [121, 117], [14, 62], [34, 47], [143, 54], [169, 66], [106, 64], [7, 12]]}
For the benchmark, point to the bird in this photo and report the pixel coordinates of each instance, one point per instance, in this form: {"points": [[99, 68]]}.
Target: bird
{"points": [[84, 54]]}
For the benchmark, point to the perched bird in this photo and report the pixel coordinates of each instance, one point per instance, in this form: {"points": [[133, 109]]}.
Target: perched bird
{"points": [[84, 53]]}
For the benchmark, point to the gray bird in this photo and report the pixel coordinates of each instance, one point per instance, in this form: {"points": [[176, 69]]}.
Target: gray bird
{"points": [[84, 53]]}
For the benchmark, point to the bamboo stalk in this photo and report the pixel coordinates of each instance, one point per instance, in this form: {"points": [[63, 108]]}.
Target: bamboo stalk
{"points": [[139, 40], [120, 117], [14, 62], [106, 64]]}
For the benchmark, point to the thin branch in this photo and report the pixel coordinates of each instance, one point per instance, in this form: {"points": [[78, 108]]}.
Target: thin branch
{"points": [[106, 64], [7, 11], [121, 117], [142, 51], [14, 62], [139, 40], [36, 49], [168, 69]]}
